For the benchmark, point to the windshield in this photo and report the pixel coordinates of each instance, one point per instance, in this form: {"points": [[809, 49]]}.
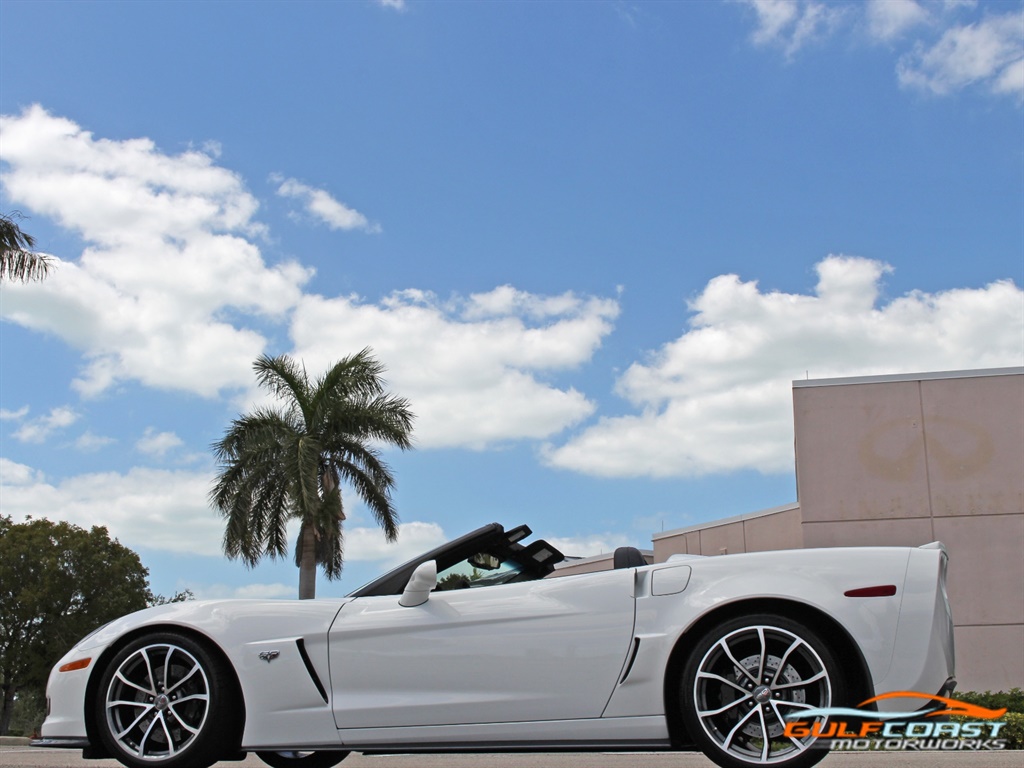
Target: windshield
{"points": [[465, 575]]}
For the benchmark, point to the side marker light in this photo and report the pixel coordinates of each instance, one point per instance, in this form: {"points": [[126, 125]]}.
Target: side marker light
{"points": [[71, 666], [885, 590]]}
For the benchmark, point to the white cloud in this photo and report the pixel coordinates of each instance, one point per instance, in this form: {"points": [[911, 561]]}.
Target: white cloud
{"points": [[170, 248], [168, 510], [943, 47], [244, 592], [398, 5], [153, 508], [363, 544], [14, 474], [324, 207], [792, 24], [18, 415], [989, 52], [158, 444], [38, 430], [889, 19], [92, 442], [718, 399], [473, 368]]}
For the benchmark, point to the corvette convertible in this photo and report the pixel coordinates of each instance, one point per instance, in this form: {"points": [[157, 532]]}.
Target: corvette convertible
{"points": [[482, 646]]}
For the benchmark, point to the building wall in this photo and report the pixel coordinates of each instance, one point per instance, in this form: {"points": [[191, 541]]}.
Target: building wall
{"points": [[910, 459], [777, 528], [602, 562]]}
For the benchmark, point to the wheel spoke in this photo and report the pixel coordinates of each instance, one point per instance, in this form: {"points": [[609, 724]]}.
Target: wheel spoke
{"points": [[182, 722], [191, 697], [146, 704], [800, 746], [145, 736], [720, 710], [167, 732], [149, 669], [135, 722], [130, 684], [794, 704], [719, 678], [167, 668], [801, 683], [766, 739], [739, 667], [782, 662], [764, 654], [170, 688], [732, 733]]}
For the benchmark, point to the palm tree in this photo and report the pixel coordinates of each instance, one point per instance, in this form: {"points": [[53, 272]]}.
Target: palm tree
{"points": [[17, 261], [288, 464]]}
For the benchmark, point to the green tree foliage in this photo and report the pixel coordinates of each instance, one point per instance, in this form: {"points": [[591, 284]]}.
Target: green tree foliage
{"points": [[288, 463], [17, 260], [58, 582]]}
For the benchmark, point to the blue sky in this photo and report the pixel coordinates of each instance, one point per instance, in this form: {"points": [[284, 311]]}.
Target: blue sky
{"points": [[594, 243]]}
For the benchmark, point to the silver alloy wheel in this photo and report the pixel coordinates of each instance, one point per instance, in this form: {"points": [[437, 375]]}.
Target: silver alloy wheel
{"points": [[157, 702], [746, 684]]}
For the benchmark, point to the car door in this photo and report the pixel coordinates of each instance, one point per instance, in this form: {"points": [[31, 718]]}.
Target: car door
{"points": [[539, 650]]}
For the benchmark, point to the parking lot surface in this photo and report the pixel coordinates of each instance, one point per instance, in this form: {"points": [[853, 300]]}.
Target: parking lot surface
{"points": [[21, 756]]}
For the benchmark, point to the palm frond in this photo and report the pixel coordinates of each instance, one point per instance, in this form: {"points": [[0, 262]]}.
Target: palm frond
{"points": [[17, 260], [286, 380]]}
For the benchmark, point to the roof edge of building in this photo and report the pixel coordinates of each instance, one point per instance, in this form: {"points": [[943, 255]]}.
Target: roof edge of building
{"points": [[931, 376], [728, 520]]}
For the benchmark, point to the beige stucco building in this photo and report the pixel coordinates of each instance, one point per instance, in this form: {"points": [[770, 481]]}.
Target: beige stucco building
{"points": [[905, 460]]}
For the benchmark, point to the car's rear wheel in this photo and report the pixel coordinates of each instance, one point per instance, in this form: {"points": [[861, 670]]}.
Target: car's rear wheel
{"points": [[743, 679], [165, 701], [302, 759]]}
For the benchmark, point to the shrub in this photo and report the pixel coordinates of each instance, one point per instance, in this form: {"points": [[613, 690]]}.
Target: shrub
{"points": [[1013, 700], [1013, 731]]}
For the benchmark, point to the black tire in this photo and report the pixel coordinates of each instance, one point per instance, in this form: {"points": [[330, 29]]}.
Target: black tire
{"points": [[302, 759], [743, 677], [164, 701]]}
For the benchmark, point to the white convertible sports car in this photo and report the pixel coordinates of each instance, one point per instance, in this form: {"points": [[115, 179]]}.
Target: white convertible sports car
{"points": [[476, 647]]}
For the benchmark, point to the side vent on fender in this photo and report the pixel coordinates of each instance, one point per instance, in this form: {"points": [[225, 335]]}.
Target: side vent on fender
{"points": [[632, 658], [309, 668]]}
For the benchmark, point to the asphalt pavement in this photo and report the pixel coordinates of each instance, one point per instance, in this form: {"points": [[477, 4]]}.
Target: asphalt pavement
{"points": [[23, 756]]}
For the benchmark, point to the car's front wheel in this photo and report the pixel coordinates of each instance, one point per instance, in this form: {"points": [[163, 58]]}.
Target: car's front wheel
{"points": [[745, 679], [302, 759], [165, 701]]}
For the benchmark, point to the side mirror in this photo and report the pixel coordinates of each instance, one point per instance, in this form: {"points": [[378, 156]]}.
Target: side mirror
{"points": [[423, 579]]}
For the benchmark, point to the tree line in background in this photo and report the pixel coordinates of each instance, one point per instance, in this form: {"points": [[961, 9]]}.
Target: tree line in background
{"points": [[58, 583]]}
